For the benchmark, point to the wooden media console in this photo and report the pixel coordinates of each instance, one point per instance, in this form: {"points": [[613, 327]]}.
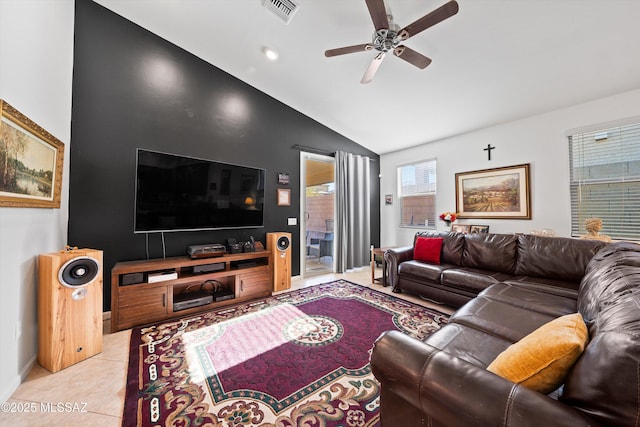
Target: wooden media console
{"points": [[146, 291]]}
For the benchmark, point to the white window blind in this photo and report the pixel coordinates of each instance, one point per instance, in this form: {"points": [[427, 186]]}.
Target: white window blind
{"points": [[417, 194], [605, 180]]}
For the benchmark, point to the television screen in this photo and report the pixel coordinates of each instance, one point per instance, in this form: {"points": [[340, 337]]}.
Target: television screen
{"points": [[178, 193]]}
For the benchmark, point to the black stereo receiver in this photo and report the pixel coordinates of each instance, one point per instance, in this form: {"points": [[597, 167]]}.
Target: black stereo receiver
{"points": [[208, 268], [191, 299]]}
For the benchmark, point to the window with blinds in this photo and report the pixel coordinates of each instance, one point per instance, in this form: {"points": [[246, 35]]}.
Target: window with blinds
{"points": [[417, 194], [605, 180]]}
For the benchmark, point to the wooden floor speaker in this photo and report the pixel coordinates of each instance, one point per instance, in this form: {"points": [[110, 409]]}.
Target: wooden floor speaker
{"points": [[69, 307], [280, 245]]}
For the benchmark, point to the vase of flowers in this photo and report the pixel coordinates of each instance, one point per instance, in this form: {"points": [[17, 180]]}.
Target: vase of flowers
{"points": [[448, 218]]}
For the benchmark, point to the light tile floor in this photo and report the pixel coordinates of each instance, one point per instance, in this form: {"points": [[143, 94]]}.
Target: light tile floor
{"points": [[91, 393]]}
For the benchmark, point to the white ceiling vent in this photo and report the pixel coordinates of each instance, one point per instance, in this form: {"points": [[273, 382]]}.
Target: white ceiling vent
{"points": [[285, 9]]}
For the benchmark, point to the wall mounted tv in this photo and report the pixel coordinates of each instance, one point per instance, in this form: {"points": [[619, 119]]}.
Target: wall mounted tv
{"points": [[178, 193]]}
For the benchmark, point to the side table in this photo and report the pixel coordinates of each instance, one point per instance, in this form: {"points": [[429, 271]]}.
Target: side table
{"points": [[379, 252]]}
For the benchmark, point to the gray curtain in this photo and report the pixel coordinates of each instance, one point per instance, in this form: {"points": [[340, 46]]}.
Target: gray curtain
{"points": [[353, 218]]}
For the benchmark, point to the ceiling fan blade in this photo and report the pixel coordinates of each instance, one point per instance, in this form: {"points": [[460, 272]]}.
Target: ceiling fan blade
{"points": [[445, 11], [412, 57], [373, 68], [378, 14], [348, 49]]}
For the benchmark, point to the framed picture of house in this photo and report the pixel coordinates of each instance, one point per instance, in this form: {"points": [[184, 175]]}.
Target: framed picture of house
{"points": [[31, 162], [494, 193], [460, 228], [478, 228]]}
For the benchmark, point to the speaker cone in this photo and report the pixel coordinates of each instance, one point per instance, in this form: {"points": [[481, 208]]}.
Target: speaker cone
{"points": [[283, 243], [78, 272]]}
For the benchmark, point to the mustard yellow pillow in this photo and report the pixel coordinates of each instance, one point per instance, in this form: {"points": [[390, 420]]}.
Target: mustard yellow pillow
{"points": [[541, 360]]}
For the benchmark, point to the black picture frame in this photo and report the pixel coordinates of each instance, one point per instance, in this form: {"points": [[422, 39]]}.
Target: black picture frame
{"points": [[283, 178]]}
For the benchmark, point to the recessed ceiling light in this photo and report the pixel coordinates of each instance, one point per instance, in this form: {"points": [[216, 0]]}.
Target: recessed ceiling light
{"points": [[271, 54]]}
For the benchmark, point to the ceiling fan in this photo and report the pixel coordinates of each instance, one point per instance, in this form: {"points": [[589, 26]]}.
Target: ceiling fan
{"points": [[388, 36]]}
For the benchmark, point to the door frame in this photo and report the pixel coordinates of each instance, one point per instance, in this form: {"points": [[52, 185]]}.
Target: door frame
{"points": [[304, 155]]}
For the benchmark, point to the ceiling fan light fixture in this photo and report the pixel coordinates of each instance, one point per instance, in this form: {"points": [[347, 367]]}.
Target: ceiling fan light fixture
{"points": [[384, 40]]}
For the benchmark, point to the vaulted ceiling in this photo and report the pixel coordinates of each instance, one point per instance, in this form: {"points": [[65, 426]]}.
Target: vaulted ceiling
{"points": [[493, 62]]}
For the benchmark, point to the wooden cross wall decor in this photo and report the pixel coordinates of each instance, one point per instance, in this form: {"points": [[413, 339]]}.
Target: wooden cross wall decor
{"points": [[488, 150]]}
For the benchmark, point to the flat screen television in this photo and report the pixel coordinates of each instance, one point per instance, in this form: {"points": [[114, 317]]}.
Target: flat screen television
{"points": [[179, 193]]}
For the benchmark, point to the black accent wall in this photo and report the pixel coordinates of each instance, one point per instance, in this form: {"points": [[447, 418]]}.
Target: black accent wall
{"points": [[133, 89]]}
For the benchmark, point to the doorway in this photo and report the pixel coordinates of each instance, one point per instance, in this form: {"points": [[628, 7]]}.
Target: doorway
{"points": [[318, 213]]}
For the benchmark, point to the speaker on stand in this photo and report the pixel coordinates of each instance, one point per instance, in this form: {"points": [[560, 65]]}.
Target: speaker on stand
{"points": [[69, 307], [280, 246]]}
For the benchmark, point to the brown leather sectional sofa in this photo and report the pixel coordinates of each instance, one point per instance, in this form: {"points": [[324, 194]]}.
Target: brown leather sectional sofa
{"points": [[443, 381], [471, 263]]}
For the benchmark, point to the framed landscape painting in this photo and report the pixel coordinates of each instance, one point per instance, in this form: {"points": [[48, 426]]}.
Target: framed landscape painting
{"points": [[494, 193], [30, 162]]}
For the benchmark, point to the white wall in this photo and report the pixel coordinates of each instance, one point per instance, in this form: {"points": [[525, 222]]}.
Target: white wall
{"points": [[539, 140], [36, 64]]}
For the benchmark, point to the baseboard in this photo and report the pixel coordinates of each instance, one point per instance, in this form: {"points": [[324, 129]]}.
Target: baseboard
{"points": [[106, 316], [9, 389], [6, 392], [28, 367]]}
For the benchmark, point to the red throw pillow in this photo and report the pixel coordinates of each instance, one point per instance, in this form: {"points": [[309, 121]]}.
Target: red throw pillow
{"points": [[427, 249]]}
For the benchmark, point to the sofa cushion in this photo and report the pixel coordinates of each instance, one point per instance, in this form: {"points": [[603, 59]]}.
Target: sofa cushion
{"points": [[495, 252], [500, 319], [610, 276], [472, 279], [531, 299], [547, 257], [469, 344], [541, 360], [604, 383], [428, 249], [423, 271], [546, 285]]}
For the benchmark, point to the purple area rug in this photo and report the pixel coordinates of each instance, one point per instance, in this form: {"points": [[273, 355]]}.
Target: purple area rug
{"points": [[295, 359]]}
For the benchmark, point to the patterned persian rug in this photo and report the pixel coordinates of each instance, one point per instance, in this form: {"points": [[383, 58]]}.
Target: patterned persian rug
{"points": [[295, 359]]}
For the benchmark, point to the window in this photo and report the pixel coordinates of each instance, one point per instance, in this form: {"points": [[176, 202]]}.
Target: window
{"points": [[605, 180], [417, 194]]}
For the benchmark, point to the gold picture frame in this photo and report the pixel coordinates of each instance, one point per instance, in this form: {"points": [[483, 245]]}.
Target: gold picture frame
{"points": [[498, 193], [284, 197], [31, 162]]}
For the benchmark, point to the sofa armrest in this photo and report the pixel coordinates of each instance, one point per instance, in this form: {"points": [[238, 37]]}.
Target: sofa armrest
{"points": [[393, 258], [453, 392]]}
